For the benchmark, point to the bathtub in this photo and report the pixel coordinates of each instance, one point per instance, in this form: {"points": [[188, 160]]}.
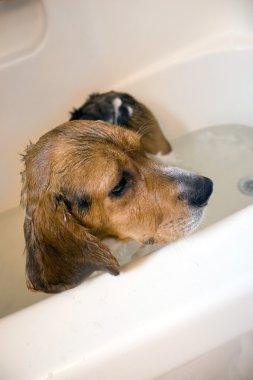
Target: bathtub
{"points": [[184, 311]]}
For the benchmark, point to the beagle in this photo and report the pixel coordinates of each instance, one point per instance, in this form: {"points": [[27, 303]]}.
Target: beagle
{"points": [[124, 110], [86, 180]]}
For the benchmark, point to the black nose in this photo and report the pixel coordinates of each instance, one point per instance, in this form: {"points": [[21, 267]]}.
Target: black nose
{"points": [[198, 191]]}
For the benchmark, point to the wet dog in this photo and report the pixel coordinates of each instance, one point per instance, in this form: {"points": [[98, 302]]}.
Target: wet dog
{"points": [[122, 109], [86, 180]]}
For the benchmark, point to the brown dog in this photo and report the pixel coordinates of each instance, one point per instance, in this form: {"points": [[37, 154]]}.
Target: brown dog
{"points": [[86, 180]]}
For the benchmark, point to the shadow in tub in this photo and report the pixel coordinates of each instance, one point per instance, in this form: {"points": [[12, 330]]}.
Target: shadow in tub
{"points": [[223, 153]]}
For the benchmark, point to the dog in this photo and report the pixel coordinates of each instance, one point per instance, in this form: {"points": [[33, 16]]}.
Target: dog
{"points": [[124, 110], [86, 180]]}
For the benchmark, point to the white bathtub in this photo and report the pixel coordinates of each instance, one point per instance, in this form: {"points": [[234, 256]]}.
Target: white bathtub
{"points": [[186, 310]]}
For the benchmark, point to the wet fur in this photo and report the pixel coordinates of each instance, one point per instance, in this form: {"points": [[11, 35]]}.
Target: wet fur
{"points": [[68, 195], [122, 109]]}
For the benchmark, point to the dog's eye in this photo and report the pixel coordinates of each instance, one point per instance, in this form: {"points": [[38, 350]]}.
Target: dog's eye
{"points": [[83, 204], [123, 185]]}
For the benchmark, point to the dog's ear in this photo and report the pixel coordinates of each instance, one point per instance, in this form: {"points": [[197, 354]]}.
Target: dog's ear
{"points": [[144, 122], [60, 251]]}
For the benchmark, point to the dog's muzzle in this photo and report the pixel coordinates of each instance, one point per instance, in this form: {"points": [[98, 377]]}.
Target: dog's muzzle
{"points": [[194, 189]]}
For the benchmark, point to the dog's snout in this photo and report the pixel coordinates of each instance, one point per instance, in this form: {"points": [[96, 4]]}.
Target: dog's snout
{"points": [[198, 191]]}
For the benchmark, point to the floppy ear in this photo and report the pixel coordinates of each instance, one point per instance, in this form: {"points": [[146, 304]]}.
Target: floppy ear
{"points": [[60, 251], [152, 139]]}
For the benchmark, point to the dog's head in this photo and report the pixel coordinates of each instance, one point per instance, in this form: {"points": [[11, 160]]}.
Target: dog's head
{"points": [[86, 180], [123, 109]]}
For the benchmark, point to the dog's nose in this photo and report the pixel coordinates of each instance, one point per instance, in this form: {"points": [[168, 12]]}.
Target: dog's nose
{"points": [[198, 191]]}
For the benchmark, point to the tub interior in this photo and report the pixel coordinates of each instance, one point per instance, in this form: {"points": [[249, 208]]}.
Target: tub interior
{"points": [[187, 308], [224, 153]]}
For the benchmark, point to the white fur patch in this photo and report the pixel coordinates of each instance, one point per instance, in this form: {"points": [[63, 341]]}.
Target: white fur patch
{"points": [[116, 104], [26, 215], [130, 110], [177, 173]]}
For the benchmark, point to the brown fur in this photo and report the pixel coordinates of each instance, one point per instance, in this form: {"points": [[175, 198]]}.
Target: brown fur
{"points": [[152, 138], [68, 180]]}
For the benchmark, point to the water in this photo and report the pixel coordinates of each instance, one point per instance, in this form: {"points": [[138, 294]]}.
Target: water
{"points": [[223, 153]]}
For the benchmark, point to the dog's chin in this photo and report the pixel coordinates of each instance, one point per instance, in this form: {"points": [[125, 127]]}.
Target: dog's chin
{"points": [[173, 231], [196, 218]]}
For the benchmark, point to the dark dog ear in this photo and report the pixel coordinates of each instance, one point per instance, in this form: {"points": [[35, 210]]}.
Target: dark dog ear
{"points": [[152, 138], [60, 251]]}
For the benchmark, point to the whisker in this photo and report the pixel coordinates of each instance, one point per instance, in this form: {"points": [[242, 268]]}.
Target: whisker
{"points": [[145, 127]]}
